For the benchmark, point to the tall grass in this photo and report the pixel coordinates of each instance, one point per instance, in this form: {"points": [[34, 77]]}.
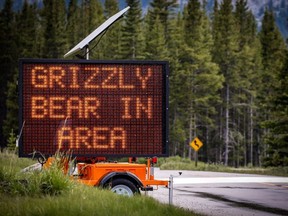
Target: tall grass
{"points": [[37, 183], [51, 193], [84, 200]]}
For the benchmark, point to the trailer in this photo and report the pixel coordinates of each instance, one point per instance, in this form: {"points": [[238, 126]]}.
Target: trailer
{"points": [[121, 178]]}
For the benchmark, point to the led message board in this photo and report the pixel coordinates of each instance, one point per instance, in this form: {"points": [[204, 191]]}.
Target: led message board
{"points": [[93, 108]]}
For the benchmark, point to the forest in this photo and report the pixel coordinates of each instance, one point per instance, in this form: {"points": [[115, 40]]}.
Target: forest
{"points": [[228, 79]]}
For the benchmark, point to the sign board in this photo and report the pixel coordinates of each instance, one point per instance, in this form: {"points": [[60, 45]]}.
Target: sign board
{"points": [[93, 108], [196, 144]]}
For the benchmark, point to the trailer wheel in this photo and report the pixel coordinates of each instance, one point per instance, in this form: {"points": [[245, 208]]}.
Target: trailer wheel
{"points": [[124, 187]]}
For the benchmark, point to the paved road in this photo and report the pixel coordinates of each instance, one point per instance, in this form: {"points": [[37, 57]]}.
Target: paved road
{"points": [[213, 193]]}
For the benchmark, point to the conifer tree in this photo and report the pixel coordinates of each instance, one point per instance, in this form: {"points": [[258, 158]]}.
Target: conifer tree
{"points": [[273, 52], [177, 125], [91, 17], [54, 15], [224, 54], [157, 28], [156, 48], [11, 119], [73, 24], [273, 55], [241, 15], [132, 42], [8, 59], [202, 79], [193, 16], [278, 138], [111, 40], [248, 67], [162, 10], [26, 23]]}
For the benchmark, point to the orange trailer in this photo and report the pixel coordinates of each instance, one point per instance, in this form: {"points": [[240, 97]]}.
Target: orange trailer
{"points": [[121, 178]]}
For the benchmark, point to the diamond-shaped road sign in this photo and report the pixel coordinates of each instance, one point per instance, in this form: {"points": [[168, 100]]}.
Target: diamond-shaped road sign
{"points": [[196, 144]]}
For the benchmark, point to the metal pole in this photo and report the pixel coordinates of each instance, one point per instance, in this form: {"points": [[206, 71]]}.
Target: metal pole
{"points": [[87, 52], [171, 190], [196, 158]]}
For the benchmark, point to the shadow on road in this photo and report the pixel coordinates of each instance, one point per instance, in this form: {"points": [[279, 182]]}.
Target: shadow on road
{"points": [[235, 203]]}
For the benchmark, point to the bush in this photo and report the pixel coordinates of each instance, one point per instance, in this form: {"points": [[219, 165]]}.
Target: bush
{"points": [[51, 181]]}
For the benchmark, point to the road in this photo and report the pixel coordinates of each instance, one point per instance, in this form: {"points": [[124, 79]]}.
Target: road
{"points": [[215, 194]]}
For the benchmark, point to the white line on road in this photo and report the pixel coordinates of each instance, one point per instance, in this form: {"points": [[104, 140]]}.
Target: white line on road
{"points": [[229, 180]]}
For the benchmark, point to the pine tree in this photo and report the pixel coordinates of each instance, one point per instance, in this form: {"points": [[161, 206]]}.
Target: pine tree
{"points": [[55, 41], [192, 15], [156, 48], [27, 31], [277, 139], [8, 59], [27, 46], [73, 26], [163, 10], [132, 41], [224, 54], [202, 80], [11, 120], [273, 55], [111, 40], [248, 67], [177, 125], [241, 15], [91, 17], [158, 28], [11, 142], [273, 51]]}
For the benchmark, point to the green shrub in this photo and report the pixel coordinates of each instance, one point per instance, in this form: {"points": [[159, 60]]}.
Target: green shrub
{"points": [[51, 181]]}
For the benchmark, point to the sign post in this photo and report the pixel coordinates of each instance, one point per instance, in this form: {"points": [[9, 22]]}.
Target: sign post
{"points": [[196, 144]]}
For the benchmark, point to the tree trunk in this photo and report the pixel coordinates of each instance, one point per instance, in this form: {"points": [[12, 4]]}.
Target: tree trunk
{"points": [[190, 136], [192, 132], [219, 147], [184, 150], [226, 135], [251, 130]]}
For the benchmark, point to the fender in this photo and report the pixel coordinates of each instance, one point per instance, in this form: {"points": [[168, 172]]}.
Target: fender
{"points": [[126, 175]]}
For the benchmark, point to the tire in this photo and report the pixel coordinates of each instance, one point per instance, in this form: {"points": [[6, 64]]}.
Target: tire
{"points": [[124, 187]]}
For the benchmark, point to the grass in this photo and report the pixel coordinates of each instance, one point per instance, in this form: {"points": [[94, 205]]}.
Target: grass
{"points": [[178, 163], [12, 161], [50, 192], [83, 200]]}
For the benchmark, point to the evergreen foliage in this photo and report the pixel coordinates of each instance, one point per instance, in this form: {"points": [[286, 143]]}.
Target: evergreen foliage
{"points": [[11, 120], [228, 83], [225, 55], [54, 17], [92, 16], [273, 58], [111, 40], [132, 41], [277, 138], [8, 60], [11, 141], [72, 28]]}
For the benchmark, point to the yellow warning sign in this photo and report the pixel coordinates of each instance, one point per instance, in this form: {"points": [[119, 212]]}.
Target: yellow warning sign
{"points": [[196, 144]]}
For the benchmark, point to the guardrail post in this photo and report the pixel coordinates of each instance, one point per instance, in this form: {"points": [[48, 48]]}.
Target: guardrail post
{"points": [[171, 188]]}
